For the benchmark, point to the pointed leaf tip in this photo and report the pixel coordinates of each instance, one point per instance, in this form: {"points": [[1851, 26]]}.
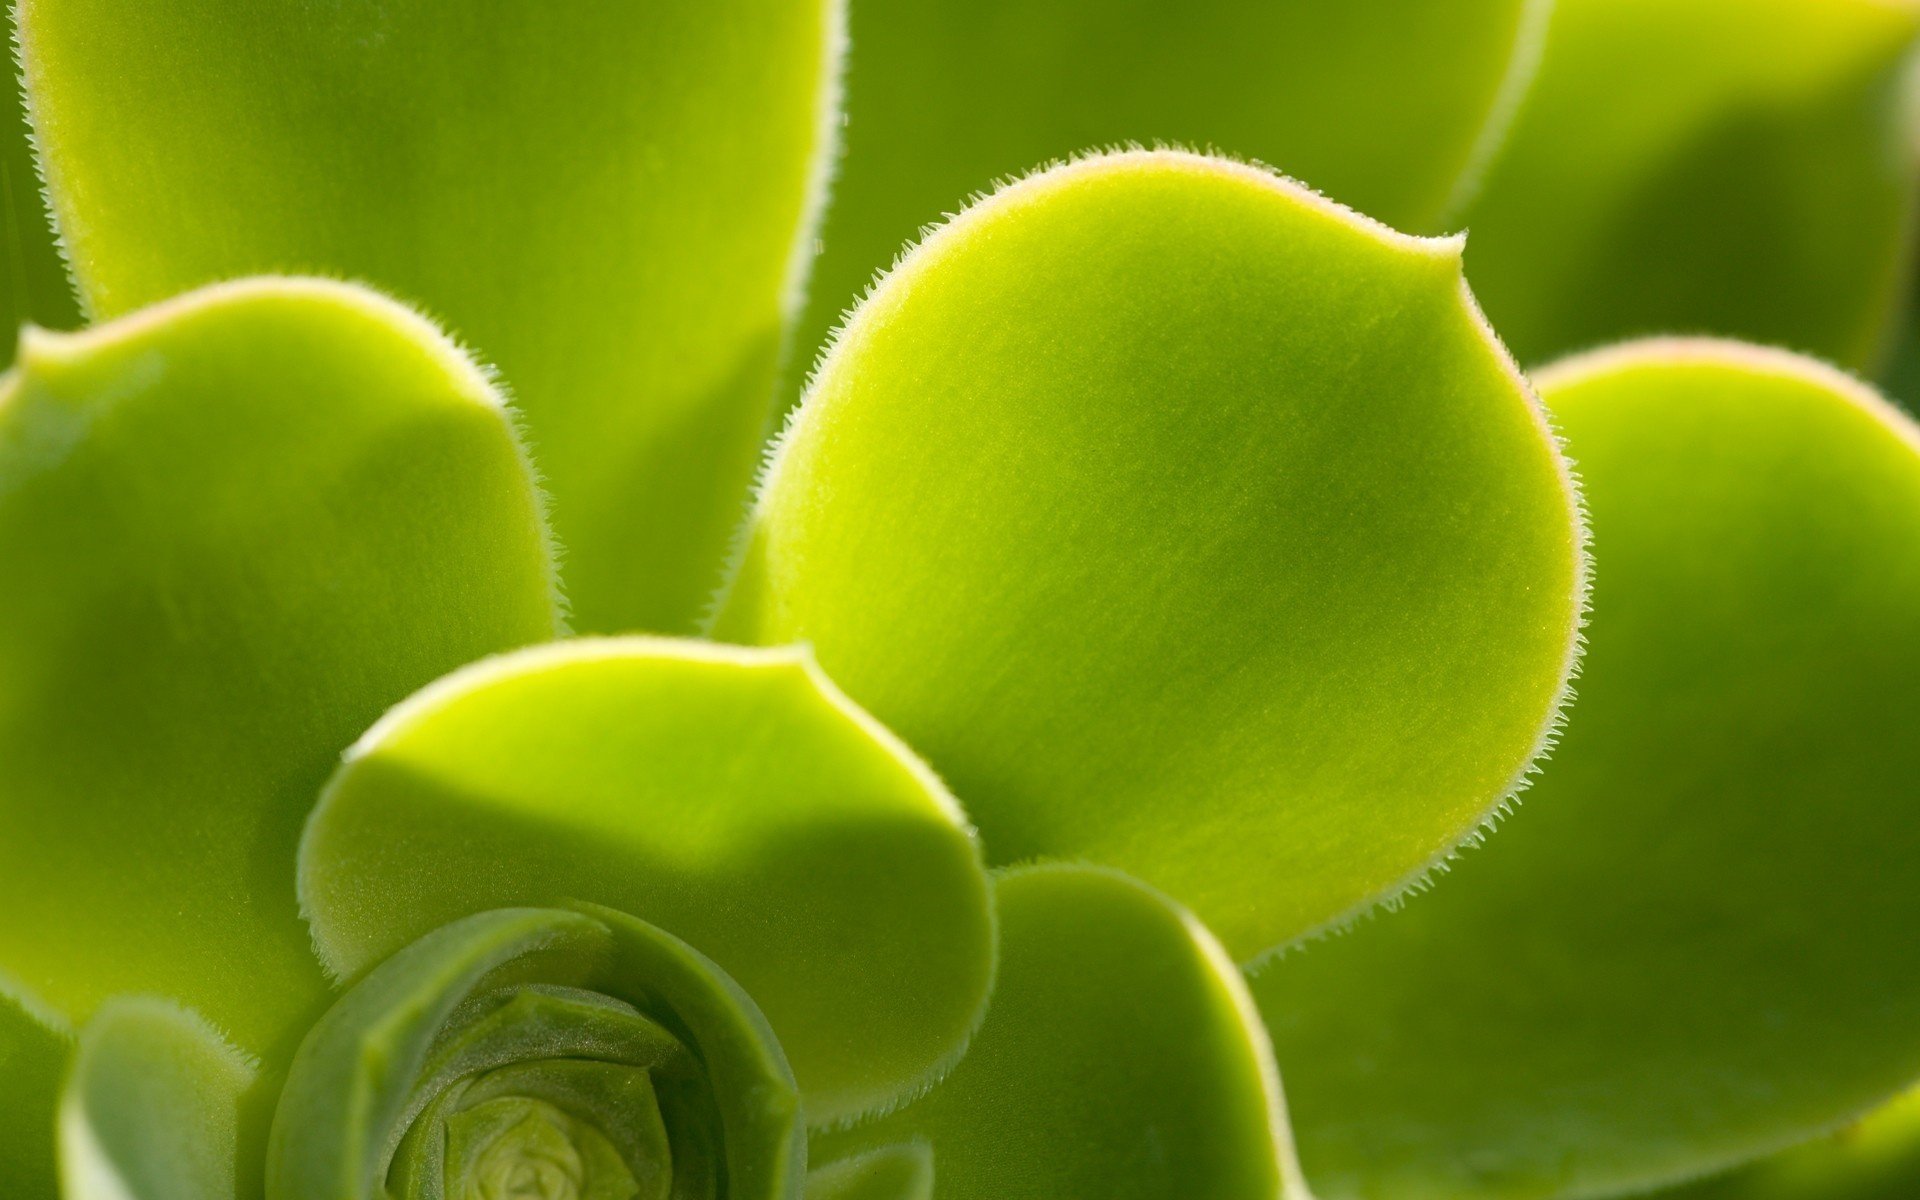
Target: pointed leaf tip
{"points": [[1187, 522]]}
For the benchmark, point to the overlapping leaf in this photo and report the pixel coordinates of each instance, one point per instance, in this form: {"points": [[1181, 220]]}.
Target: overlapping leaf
{"points": [[151, 1109], [604, 199], [1734, 167], [1694, 943], [1121, 1058], [1388, 105], [234, 529], [1189, 524], [732, 797]]}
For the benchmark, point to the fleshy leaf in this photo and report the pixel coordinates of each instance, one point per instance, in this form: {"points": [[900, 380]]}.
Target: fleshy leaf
{"points": [[1734, 167], [733, 797], [519, 1044], [1390, 106], [1874, 1158], [35, 1047], [151, 1110], [1694, 943], [1121, 1058], [606, 200], [33, 281], [1187, 523], [234, 529], [902, 1172]]}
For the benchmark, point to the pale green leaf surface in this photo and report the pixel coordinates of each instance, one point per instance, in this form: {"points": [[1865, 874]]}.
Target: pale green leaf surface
{"points": [[1386, 105], [234, 529], [605, 199], [1694, 943], [581, 1023], [35, 1047], [1121, 1058], [1189, 524], [33, 281], [733, 797], [902, 1172], [1734, 167], [1874, 1158], [152, 1108]]}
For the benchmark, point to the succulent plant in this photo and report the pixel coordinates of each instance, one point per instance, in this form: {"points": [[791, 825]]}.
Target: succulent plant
{"points": [[475, 723]]}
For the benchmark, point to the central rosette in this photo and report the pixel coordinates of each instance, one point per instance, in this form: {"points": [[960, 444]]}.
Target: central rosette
{"points": [[539, 1054]]}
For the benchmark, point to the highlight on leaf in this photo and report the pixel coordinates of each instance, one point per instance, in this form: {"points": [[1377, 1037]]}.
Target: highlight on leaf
{"points": [[1253, 569]]}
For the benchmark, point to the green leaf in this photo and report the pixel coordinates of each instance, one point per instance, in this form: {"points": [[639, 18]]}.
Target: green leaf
{"points": [[234, 529], [1189, 524], [1736, 167], [1874, 1158], [517, 1043], [1122, 1058], [733, 797], [35, 1047], [1694, 943], [33, 280], [902, 1172], [1388, 105], [605, 199], [151, 1110]]}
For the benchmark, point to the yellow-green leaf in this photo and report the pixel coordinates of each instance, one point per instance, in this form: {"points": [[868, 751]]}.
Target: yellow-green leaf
{"points": [[732, 797], [1187, 523], [606, 200], [1391, 106], [1121, 1059], [1694, 943], [234, 528], [1734, 167]]}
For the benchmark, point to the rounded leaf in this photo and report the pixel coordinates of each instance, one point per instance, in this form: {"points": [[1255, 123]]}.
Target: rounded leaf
{"points": [[152, 1109], [234, 529], [1122, 1058], [902, 1172], [1187, 523], [1694, 943], [733, 797]]}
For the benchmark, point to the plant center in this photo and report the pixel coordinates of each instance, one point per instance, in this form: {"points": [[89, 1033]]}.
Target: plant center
{"points": [[516, 1148]]}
